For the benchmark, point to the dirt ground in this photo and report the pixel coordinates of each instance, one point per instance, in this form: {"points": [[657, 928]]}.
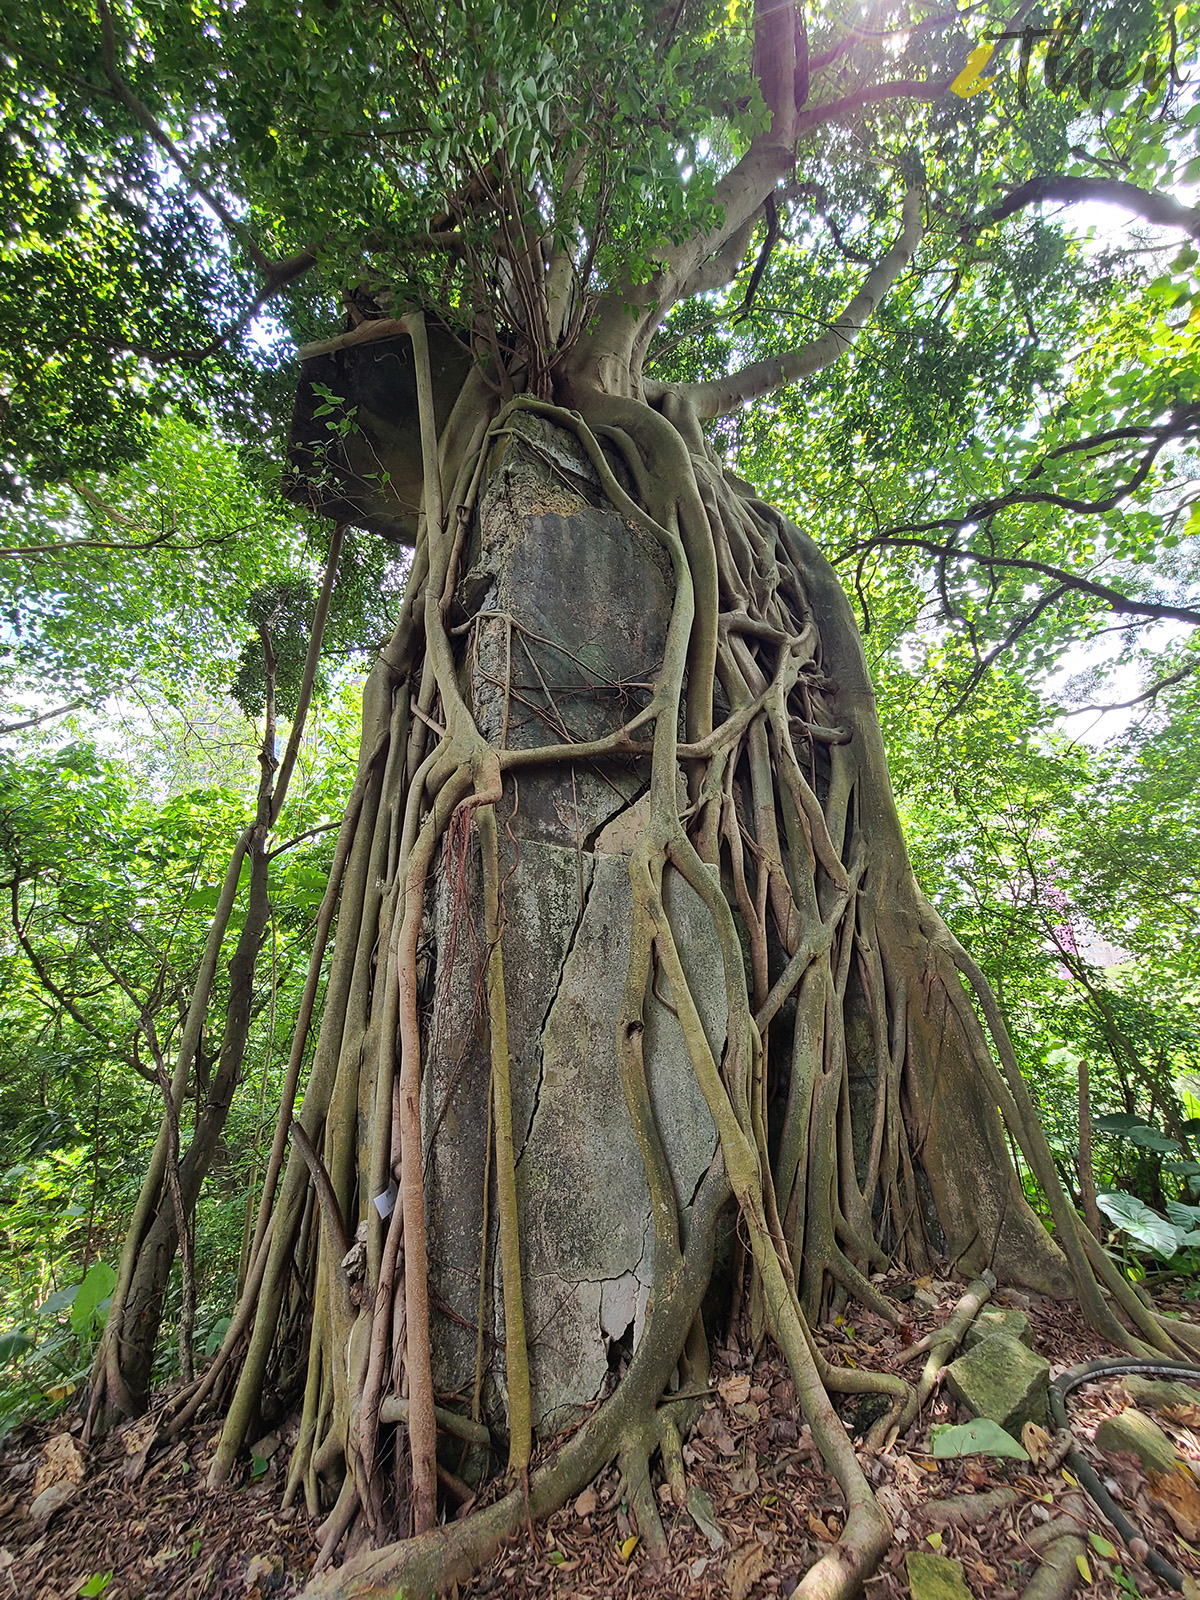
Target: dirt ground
{"points": [[759, 1511]]}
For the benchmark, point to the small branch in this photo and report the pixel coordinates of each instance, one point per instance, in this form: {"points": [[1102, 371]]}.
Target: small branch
{"points": [[309, 833], [1122, 604], [30, 552], [103, 507], [143, 114], [42, 716], [1151, 694], [720, 395]]}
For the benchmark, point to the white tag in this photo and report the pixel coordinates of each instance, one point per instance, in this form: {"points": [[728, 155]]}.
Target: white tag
{"points": [[385, 1203]]}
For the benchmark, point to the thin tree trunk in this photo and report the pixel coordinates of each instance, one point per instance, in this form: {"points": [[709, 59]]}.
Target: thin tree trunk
{"points": [[1087, 1173]]}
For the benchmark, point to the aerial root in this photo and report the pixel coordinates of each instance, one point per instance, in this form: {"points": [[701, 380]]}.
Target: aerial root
{"points": [[939, 1346], [1061, 1545], [635, 1458]]}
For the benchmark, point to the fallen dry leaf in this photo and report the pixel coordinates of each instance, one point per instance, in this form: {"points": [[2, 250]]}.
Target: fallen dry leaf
{"points": [[62, 1461], [817, 1527], [744, 1568], [735, 1391], [260, 1567], [52, 1499], [1036, 1441], [1179, 1494], [1188, 1416], [587, 1502]]}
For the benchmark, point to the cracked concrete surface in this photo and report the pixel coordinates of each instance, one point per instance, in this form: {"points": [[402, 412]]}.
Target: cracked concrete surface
{"points": [[584, 583]]}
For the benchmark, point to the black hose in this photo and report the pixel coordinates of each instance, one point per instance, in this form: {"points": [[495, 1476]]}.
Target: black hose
{"points": [[1089, 1372]]}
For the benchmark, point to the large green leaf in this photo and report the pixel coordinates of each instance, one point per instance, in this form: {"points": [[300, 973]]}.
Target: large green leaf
{"points": [[1151, 1139], [60, 1300], [13, 1345], [981, 1437], [1144, 1226], [93, 1298]]}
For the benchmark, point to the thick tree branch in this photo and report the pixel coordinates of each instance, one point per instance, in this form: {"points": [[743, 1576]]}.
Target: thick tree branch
{"points": [[1163, 210], [719, 395], [872, 95], [721, 268], [1122, 604]]}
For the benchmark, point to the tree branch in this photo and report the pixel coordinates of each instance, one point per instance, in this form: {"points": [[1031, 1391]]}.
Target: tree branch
{"points": [[720, 395], [915, 535], [1122, 604], [1163, 210], [143, 114], [1151, 694], [276, 274], [42, 716]]}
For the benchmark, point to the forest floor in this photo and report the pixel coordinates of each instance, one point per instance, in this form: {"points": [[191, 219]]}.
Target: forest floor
{"points": [[762, 1512]]}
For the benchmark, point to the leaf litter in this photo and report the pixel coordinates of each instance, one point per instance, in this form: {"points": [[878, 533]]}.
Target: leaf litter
{"points": [[759, 1508]]}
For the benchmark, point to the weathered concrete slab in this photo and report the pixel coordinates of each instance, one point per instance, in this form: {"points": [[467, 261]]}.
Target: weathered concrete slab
{"points": [[1003, 1380], [573, 591], [999, 1319]]}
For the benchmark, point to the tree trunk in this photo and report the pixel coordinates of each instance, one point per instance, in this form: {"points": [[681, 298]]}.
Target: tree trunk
{"points": [[635, 1004]]}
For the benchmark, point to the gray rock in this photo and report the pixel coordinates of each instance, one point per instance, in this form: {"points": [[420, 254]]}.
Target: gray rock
{"points": [[1002, 1380], [997, 1319]]}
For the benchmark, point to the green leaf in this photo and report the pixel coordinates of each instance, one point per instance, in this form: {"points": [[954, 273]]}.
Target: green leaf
{"points": [[94, 1292], [1143, 1225], [13, 1345], [1118, 1122], [1151, 1139], [982, 1437], [1102, 1547], [216, 1336], [95, 1585], [58, 1301]]}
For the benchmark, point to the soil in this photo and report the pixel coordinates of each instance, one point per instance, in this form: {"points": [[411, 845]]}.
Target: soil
{"points": [[760, 1508]]}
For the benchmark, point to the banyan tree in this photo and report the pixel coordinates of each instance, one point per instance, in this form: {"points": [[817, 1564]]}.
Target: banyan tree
{"points": [[627, 1021]]}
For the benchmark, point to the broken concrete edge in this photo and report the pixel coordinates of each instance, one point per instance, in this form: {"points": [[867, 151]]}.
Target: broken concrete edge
{"points": [[1003, 1380]]}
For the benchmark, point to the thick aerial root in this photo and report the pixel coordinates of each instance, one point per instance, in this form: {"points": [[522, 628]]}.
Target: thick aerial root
{"points": [[1060, 1545], [429, 1563], [635, 1475]]}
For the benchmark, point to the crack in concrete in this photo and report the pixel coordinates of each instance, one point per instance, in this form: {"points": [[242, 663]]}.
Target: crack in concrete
{"points": [[590, 879], [588, 845]]}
